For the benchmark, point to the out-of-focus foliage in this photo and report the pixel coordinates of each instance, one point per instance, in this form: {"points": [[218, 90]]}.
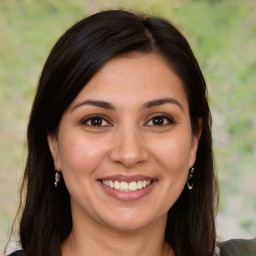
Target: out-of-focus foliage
{"points": [[222, 34]]}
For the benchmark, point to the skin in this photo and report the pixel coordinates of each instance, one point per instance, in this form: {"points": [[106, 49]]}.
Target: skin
{"points": [[130, 138]]}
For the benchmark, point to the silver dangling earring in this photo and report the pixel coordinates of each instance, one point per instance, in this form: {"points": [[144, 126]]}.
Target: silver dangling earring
{"points": [[189, 180], [57, 177]]}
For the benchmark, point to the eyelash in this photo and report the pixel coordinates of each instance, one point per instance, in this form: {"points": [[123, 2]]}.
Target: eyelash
{"points": [[94, 117], [166, 120]]}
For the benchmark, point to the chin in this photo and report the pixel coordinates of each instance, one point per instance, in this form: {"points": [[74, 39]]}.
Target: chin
{"points": [[132, 220]]}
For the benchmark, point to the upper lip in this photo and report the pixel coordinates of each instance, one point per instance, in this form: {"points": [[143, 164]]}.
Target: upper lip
{"points": [[127, 178]]}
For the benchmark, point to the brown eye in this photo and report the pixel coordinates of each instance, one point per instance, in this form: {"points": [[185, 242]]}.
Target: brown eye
{"points": [[160, 120], [96, 121]]}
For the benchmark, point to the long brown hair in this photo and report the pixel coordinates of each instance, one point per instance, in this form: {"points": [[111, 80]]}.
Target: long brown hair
{"points": [[77, 56]]}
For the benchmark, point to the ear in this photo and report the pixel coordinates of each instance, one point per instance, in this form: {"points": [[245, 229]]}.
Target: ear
{"points": [[53, 146], [195, 142]]}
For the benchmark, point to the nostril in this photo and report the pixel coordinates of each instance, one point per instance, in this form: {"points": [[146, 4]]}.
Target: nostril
{"points": [[128, 146]]}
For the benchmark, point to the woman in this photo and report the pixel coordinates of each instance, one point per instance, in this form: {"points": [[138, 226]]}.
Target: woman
{"points": [[119, 145]]}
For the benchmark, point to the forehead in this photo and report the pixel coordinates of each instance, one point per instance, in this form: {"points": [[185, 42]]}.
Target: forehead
{"points": [[135, 77]]}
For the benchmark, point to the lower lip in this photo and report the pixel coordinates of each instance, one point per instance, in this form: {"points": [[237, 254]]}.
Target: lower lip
{"points": [[128, 196]]}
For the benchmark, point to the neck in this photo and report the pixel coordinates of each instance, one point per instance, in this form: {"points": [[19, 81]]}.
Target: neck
{"points": [[90, 239]]}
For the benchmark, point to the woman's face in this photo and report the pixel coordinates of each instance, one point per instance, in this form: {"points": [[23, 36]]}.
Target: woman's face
{"points": [[125, 144]]}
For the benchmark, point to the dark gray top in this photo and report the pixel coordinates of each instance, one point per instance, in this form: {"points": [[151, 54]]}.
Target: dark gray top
{"points": [[238, 247], [17, 253]]}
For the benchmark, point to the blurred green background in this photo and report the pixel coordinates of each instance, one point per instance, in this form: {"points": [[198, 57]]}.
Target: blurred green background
{"points": [[222, 34]]}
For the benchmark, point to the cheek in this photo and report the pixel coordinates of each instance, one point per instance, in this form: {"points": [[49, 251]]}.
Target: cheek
{"points": [[79, 156], [173, 153], [174, 156]]}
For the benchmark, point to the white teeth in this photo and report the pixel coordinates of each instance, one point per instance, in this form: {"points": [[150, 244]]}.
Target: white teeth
{"points": [[125, 186], [111, 183], [133, 186], [116, 185], [139, 185]]}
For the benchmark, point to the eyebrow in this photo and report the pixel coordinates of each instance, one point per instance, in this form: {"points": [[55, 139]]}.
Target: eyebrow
{"points": [[150, 104], [159, 102], [97, 103]]}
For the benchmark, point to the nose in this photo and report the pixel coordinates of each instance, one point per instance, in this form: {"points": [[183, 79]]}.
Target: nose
{"points": [[129, 148]]}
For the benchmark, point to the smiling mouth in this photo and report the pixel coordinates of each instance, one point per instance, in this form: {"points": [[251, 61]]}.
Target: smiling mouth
{"points": [[123, 186]]}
